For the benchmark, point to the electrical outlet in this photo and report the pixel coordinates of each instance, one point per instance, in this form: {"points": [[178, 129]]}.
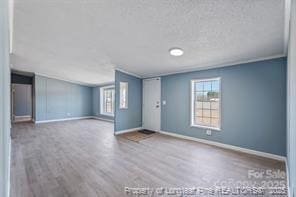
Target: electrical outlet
{"points": [[209, 132]]}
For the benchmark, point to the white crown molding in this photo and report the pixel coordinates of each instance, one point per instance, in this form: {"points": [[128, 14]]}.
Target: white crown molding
{"points": [[66, 80], [30, 74], [227, 146], [105, 84], [192, 69], [127, 130], [24, 73], [129, 73], [212, 66], [204, 67]]}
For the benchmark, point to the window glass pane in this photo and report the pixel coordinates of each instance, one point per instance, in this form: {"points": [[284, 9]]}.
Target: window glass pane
{"points": [[207, 121], [206, 113], [207, 103], [198, 105], [215, 122], [215, 86], [207, 86], [198, 120], [214, 105], [108, 95], [199, 96], [213, 96], [107, 101], [206, 96], [215, 113], [199, 86], [123, 95], [198, 112]]}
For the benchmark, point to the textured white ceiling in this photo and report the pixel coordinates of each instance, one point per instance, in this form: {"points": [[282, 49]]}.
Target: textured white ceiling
{"points": [[84, 40]]}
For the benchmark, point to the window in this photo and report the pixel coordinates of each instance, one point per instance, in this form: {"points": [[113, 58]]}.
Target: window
{"points": [[205, 110], [107, 100], [123, 95]]}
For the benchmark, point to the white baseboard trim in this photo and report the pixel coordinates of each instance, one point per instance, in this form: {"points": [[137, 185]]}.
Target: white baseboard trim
{"points": [[227, 146], [25, 116], [22, 118], [64, 119], [127, 130], [103, 119]]}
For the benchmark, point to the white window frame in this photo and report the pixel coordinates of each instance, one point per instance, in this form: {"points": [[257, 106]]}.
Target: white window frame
{"points": [[102, 89], [192, 92], [120, 95]]}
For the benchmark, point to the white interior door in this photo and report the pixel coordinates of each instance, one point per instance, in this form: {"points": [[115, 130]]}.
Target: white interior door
{"points": [[151, 104]]}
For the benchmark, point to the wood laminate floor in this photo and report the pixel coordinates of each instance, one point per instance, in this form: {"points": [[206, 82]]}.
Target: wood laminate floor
{"points": [[83, 158]]}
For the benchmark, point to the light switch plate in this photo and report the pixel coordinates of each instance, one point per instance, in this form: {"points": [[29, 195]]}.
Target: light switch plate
{"points": [[164, 102]]}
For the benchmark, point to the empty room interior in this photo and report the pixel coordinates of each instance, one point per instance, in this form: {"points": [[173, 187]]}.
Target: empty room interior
{"points": [[147, 98]]}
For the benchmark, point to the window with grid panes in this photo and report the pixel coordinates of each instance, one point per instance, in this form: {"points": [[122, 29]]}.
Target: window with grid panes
{"points": [[205, 111]]}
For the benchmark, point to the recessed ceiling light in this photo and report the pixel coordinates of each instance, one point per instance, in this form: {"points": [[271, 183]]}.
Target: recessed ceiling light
{"points": [[176, 52]]}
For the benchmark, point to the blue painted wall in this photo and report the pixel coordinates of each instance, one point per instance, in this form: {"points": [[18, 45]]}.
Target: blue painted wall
{"points": [[96, 102], [56, 99], [253, 105], [131, 117]]}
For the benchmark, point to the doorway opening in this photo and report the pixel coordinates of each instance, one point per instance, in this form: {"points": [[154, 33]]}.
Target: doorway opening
{"points": [[22, 96]]}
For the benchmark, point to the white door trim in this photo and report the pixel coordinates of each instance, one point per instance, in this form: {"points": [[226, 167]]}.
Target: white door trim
{"points": [[160, 101]]}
